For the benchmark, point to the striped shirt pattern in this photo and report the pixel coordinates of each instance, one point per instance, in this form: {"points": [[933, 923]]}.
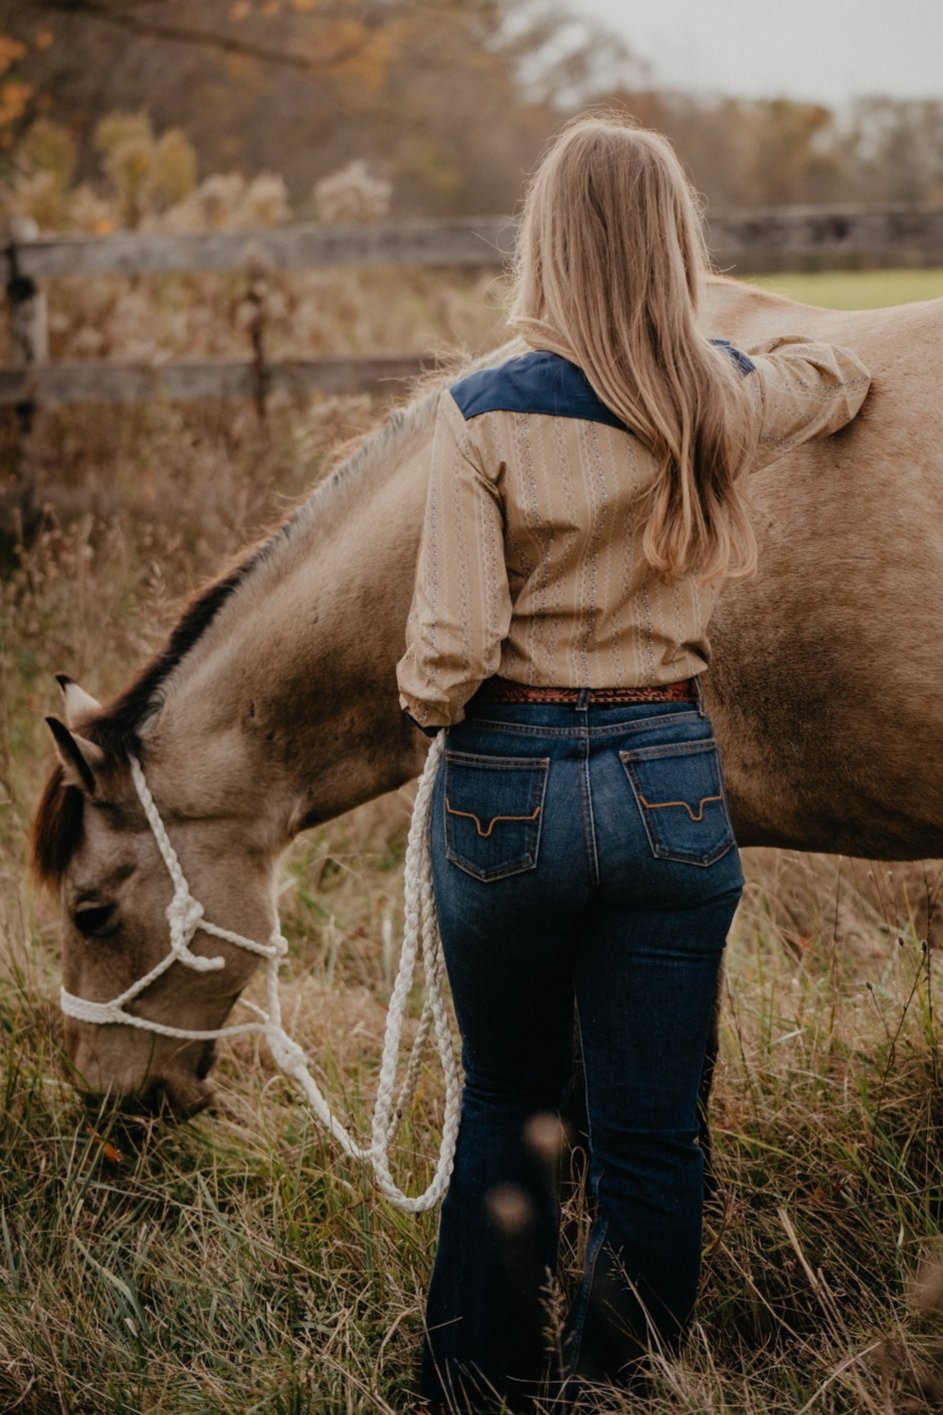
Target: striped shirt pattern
{"points": [[530, 561]]}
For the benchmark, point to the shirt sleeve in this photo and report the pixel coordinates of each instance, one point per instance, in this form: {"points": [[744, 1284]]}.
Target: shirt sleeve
{"points": [[461, 606], [802, 389]]}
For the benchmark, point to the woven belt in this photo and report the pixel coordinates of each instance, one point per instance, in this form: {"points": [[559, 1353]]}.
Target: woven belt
{"points": [[503, 690]]}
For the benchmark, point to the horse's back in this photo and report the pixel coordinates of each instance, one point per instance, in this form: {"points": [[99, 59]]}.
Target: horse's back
{"points": [[824, 666]]}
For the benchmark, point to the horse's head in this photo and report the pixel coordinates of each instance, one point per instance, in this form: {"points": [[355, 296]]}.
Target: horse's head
{"points": [[92, 840]]}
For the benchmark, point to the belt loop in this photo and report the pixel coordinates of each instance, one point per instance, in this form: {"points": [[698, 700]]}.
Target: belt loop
{"points": [[701, 710], [582, 702]]}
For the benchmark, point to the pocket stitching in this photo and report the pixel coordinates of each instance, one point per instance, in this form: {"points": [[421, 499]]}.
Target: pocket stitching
{"points": [[522, 863], [665, 852], [660, 805], [485, 834]]}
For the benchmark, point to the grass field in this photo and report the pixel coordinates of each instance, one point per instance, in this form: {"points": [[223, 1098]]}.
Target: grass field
{"points": [[236, 1263], [857, 289]]}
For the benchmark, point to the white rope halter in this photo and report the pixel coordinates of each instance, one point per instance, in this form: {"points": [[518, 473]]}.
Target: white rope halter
{"points": [[185, 919]]}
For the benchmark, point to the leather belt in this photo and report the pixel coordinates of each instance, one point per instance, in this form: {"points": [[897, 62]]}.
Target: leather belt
{"points": [[503, 690]]}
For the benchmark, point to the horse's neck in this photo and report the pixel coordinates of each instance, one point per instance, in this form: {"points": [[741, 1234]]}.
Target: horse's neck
{"points": [[288, 703]]}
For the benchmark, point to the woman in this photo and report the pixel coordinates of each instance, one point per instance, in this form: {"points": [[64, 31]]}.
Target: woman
{"points": [[586, 502]]}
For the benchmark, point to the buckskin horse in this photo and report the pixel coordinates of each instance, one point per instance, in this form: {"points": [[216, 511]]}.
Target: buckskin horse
{"points": [[273, 705]]}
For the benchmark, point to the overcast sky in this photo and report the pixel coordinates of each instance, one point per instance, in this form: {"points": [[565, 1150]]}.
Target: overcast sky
{"points": [[827, 50]]}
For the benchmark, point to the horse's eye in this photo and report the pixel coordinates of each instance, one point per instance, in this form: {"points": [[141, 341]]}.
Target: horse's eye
{"points": [[93, 918]]}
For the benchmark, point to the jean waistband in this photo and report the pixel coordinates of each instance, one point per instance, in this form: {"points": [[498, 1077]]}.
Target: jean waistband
{"points": [[503, 690], [570, 720]]}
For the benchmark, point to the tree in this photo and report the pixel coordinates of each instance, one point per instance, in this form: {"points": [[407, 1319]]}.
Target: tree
{"points": [[451, 97]]}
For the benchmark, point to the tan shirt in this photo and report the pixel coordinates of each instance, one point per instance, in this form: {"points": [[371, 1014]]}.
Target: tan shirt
{"points": [[530, 563]]}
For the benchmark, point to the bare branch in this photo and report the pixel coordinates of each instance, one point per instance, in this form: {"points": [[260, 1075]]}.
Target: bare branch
{"points": [[181, 34]]}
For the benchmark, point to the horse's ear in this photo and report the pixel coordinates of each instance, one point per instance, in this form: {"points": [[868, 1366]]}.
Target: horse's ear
{"points": [[80, 758], [80, 707]]}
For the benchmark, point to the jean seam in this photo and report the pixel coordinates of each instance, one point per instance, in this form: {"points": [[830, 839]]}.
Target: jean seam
{"points": [[494, 763], [516, 867], [582, 1312], [586, 811], [670, 749]]}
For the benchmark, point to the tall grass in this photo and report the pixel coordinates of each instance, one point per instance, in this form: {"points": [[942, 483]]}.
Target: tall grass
{"points": [[238, 1263]]}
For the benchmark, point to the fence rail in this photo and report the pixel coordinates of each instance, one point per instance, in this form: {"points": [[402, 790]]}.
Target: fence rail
{"points": [[742, 242], [190, 380], [484, 241]]}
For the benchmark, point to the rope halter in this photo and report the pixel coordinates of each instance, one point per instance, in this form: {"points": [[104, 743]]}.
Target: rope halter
{"points": [[185, 918]]}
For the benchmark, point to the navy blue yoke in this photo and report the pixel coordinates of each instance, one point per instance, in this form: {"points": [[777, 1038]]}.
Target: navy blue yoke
{"points": [[544, 382]]}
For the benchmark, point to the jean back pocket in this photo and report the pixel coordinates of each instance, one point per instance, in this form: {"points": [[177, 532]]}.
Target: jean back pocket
{"points": [[493, 812], [678, 787]]}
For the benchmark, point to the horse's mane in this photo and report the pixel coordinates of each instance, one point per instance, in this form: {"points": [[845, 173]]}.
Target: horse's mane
{"points": [[57, 826]]}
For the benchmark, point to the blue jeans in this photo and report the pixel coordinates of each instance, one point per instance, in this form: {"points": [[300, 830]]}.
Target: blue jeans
{"points": [[584, 862]]}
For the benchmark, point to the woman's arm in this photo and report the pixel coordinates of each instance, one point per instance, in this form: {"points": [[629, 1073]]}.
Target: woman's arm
{"points": [[461, 606], [802, 389]]}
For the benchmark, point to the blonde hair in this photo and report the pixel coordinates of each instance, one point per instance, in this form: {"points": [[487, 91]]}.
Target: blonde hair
{"points": [[608, 267]]}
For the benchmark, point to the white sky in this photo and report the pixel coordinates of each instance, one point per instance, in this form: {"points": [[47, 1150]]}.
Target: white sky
{"points": [[825, 50]]}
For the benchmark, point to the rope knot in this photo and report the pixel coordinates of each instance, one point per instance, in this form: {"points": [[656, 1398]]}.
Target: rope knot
{"points": [[184, 916], [287, 1054]]}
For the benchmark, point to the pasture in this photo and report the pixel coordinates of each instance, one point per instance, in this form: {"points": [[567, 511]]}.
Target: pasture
{"points": [[237, 1263], [856, 289]]}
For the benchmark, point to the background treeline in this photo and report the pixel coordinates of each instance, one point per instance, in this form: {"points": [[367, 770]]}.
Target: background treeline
{"points": [[450, 102]]}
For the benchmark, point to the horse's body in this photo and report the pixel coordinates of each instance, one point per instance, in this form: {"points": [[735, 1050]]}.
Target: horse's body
{"points": [[275, 706]]}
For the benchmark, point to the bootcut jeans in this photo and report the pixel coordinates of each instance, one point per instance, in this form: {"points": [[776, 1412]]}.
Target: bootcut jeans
{"points": [[584, 862]]}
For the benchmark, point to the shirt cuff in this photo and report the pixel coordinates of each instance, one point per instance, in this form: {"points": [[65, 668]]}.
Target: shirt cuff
{"points": [[430, 713], [428, 729]]}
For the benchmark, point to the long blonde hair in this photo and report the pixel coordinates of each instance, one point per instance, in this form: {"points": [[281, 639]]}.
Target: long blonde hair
{"points": [[609, 262]]}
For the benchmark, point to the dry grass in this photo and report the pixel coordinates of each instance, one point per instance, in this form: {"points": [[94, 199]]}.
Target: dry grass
{"points": [[237, 1263]]}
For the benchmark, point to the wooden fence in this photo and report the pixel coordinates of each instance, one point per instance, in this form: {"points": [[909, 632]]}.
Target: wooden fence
{"points": [[742, 242]]}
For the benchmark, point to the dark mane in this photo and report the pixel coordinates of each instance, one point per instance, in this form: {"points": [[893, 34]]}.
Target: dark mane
{"points": [[116, 731], [57, 825]]}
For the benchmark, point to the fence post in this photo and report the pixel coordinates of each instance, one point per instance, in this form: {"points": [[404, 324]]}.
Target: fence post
{"points": [[255, 311], [29, 346], [29, 329]]}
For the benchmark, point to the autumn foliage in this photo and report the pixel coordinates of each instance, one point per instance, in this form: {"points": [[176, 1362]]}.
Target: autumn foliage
{"points": [[450, 100]]}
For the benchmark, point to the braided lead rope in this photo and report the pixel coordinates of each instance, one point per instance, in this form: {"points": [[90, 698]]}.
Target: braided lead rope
{"points": [[411, 1075], [185, 918], [420, 924]]}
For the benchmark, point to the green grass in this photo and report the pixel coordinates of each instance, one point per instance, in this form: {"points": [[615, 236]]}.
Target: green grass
{"points": [[856, 289]]}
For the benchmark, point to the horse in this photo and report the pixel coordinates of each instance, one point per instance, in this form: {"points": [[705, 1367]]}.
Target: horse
{"points": [[273, 705]]}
